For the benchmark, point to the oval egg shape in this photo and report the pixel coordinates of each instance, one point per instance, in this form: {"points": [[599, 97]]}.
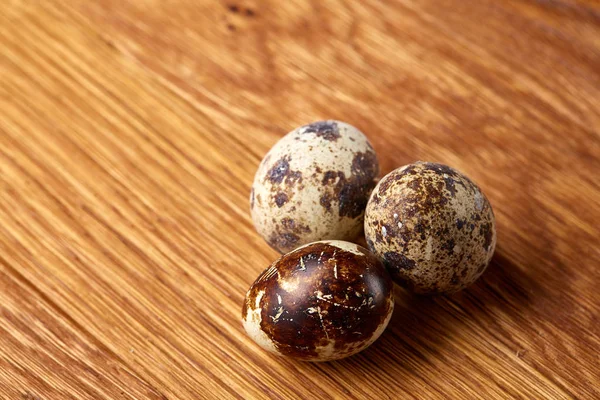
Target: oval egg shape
{"points": [[432, 226], [324, 301], [312, 185]]}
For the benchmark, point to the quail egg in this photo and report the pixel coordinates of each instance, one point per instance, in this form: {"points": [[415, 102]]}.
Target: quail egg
{"points": [[324, 301], [313, 185], [432, 226]]}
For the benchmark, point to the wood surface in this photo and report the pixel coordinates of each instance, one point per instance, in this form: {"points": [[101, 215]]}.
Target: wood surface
{"points": [[129, 136]]}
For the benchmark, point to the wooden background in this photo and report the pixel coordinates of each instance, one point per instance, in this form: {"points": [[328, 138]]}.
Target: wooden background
{"points": [[129, 136]]}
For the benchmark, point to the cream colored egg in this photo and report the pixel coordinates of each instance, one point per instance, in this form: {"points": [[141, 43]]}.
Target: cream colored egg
{"points": [[314, 184]]}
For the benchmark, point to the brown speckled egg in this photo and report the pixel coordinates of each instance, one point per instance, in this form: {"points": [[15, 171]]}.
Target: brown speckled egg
{"points": [[324, 301], [314, 184], [432, 227]]}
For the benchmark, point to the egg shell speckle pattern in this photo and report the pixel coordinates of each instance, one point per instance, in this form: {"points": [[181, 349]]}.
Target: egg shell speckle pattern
{"points": [[324, 301], [314, 184], [432, 226]]}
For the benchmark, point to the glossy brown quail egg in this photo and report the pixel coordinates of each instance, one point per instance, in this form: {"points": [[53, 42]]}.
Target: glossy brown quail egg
{"points": [[432, 226], [314, 184], [324, 301]]}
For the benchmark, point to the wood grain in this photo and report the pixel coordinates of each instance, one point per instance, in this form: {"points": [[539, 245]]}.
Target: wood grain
{"points": [[129, 136]]}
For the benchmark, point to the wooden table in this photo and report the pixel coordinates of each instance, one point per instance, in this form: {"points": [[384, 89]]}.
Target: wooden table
{"points": [[129, 137]]}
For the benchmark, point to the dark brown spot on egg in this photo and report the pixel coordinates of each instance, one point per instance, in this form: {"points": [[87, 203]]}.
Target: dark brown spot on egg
{"points": [[487, 233], [352, 200], [421, 229], [450, 185], [280, 199], [293, 177], [284, 241], [328, 130], [281, 172], [371, 245], [365, 165], [376, 199], [252, 198], [410, 170], [414, 184], [288, 223], [405, 235], [450, 176], [287, 234], [449, 245], [329, 177], [355, 191], [384, 186], [440, 169], [378, 235], [352, 194], [292, 226], [325, 201], [393, 178], [390, 230], [395, 261], [278, 172]]}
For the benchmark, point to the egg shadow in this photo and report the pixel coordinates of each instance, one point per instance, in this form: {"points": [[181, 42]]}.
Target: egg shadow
{"points": [[422, 327]]}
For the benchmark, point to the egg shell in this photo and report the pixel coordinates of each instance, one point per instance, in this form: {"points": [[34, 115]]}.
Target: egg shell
{"points": [[432, 226], [324, 301], [312, 185]]}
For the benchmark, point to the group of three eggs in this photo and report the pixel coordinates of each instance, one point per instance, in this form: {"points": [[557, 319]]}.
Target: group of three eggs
{"points": [[428, 228]]}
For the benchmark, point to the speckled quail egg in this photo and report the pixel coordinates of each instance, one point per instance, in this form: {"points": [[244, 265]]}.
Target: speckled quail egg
{"points": [[314, 184], [432, 226], [323, 301]]}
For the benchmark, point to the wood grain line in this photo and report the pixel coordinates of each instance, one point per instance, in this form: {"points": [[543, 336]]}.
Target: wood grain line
{"points": [[130, 133]]}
